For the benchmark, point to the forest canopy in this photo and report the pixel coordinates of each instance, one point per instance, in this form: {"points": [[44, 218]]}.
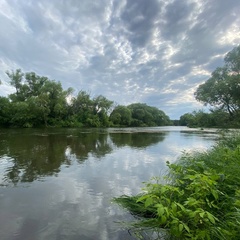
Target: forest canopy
{"points": [[39, 101]]}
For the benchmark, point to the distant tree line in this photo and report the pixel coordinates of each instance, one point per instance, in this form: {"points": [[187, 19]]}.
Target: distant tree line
{"points": [[38, 101], [222, 92]]}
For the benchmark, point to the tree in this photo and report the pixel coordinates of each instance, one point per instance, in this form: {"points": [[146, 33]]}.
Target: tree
{"points": [[121, 115], [16, 80], [222, 90], [232, 60], [144, 115], [5, 111], [186, 119], [82, 106], [55, 99], [102, 104], [101, 107], [42, 101], [34, 83]]}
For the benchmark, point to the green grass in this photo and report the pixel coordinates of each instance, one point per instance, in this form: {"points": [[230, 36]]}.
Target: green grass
{"points": [[201, 199]]}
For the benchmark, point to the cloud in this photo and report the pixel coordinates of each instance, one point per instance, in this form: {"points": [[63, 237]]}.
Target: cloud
{"points": [[149, 51], [139, 18]]}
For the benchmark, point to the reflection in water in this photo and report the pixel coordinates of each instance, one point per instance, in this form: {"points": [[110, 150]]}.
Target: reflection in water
{"points": [[63, 180], [137, 140], [36, 154]]}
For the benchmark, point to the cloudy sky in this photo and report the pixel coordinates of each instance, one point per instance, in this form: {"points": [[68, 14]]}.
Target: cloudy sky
{"points": [[149, 51]]}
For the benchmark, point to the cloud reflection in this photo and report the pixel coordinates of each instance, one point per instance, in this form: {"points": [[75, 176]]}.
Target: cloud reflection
{"points": [[72, 200]]}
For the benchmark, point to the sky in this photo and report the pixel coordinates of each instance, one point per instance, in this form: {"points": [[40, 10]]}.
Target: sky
{"points": [[148, 51]]}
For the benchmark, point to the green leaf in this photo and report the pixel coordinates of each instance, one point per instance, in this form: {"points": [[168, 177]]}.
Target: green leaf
{"points": [[174, 207], [180, 227], [211, 217], [192, 214], [149, 201], [166, 210], [160, 209], [181, 206], [163, 219], [215, 194], [186, 227], [174, 221], [142, 198], [202, 214]]}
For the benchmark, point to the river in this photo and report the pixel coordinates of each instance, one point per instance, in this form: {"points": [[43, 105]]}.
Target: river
{"points": [[58, 184]]}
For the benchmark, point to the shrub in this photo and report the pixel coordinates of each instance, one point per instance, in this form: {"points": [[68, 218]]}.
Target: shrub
{"points": [[200, 199]]}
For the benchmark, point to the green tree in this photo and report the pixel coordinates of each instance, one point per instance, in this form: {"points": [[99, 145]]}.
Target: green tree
{"points": [[186, 119], [34, 83], [102, 104], [101, 108], [121, 115], [5, 111], [16, 80], [222, 90], [219, 117], [232, 60], [82, 107], [144, 115], [215, 118], [203, 119], [41, 101], [55, 100]]}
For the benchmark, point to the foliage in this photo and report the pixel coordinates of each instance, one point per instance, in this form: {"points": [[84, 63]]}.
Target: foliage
{"points": [[138, 115], [187, 119], [144, 115], [121, 115], [200, 199], [222, 90], [5, 112], [214, 118], [39, 101]]}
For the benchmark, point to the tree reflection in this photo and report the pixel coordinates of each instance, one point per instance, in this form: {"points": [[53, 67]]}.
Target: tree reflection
{"points": [[37, 154], [93, 142], [137, 139], [34, 154]]}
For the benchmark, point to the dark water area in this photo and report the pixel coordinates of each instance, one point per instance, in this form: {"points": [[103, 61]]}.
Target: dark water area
{"points": [[58, 183]]}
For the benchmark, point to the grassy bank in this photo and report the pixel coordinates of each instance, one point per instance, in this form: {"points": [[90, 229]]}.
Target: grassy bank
{"points": [[200, 199]]}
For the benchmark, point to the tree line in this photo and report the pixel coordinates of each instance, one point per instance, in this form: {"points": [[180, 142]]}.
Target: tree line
{"points": [[221, 92], [39, 101]]}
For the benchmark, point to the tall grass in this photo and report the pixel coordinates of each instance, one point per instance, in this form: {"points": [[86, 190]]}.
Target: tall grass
{"points": [[200, 200]]}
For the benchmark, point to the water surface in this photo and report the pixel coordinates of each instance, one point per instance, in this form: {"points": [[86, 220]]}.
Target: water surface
{"points": [[58, 183]]}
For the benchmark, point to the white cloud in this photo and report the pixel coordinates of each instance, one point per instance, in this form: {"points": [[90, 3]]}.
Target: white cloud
{"points": [[148, 52], [231, 36]]}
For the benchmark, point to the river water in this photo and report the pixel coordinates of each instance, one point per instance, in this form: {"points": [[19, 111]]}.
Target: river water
{"points": [[58, 184]]}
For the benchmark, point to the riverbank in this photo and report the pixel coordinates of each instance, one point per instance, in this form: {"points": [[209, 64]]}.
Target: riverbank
{"points": [[199, 199]]}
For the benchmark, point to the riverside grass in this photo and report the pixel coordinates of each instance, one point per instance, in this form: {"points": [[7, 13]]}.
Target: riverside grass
{"points": [[199, 200]]}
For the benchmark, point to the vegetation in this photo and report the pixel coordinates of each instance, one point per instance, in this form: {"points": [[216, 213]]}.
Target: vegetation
{"points": [[200, 199], [216, 118], [222, 92], [139, 115], [39, 101]]}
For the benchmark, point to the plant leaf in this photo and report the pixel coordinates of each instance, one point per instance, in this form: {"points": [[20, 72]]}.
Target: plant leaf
{"points": [[180, 227]]}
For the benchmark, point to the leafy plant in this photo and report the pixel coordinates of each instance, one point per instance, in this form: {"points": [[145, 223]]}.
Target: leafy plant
{"points": [[200, 199]]}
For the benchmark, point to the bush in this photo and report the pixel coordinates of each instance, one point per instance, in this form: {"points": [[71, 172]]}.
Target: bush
{"points": [[200, 199]]}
